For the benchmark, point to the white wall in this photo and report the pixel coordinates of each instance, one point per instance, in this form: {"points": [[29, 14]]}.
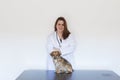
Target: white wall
{"points": [[25, 25]]}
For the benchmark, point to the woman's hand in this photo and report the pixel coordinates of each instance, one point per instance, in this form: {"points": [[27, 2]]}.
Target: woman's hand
{"points": [[56, 49]]}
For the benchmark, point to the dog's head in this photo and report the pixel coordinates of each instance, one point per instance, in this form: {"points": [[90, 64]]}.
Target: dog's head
{"points": [[55, 54]]}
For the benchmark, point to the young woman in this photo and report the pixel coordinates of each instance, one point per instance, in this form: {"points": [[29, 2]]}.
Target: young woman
{"points": [[62, 40]]}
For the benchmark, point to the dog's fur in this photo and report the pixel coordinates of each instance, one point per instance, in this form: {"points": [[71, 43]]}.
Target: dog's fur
{"points": [[61, 64]]}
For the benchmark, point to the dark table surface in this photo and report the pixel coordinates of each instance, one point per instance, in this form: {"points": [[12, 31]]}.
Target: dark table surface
{"points": [[76, 75]]}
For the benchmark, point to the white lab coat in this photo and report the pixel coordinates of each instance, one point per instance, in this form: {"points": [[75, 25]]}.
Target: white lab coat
{"points": [[66, 47]]}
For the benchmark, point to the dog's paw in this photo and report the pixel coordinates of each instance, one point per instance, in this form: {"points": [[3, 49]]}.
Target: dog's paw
{"points": [[58, 72]]}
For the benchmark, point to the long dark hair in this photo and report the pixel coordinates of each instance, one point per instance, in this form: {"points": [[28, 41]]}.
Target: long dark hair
{"points": [[66, 32]]}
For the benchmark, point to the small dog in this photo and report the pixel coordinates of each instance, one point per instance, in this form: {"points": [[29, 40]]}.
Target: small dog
{"points": [[61, 64]]}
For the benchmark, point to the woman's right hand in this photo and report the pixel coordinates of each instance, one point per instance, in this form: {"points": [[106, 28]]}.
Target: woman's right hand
{"points": [[56, 49]]}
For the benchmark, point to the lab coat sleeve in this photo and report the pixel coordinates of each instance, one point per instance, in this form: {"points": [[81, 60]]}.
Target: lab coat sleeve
{"points": [[70, 48], [49, 45]]}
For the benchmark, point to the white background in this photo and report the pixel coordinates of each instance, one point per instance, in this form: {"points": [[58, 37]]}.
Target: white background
{"points": [[25, 25]]}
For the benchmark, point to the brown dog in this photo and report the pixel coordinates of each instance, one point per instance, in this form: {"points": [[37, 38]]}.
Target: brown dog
{"points": [[61, 64]]}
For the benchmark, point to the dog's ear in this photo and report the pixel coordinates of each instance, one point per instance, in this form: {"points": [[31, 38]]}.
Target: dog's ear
{"points": [[51, 54], [59, 53]]}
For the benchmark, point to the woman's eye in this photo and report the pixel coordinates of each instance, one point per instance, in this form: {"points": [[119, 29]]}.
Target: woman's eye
{"points": [[61, 24]]}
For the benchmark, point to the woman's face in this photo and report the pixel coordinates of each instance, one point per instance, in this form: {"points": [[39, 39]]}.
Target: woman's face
{"points": [[60, 26]]}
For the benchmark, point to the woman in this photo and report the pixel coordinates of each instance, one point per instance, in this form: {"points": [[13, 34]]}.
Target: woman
{"points": [[62, 40]]}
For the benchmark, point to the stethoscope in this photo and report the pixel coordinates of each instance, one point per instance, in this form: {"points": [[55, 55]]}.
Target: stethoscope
{"points": [[59, 41]]}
